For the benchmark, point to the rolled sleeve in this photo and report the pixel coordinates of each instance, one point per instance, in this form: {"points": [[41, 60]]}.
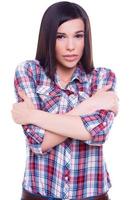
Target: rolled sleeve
{"points": [[100, 122], [35, 136], [98, 125], [26, 79]]}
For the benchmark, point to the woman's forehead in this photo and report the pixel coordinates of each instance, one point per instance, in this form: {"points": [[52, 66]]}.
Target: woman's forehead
{"points": [[71, 26]]}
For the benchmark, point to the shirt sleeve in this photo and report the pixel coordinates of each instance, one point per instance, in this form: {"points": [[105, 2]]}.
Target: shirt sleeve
{"points": [[99, 123], [26, 79]]}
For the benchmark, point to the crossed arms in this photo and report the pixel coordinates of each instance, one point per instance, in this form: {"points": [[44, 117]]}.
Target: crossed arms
{"points": [[58, 127]]}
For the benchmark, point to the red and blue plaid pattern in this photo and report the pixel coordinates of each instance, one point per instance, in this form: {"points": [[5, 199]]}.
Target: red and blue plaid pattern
{"points": [[73, 169]]}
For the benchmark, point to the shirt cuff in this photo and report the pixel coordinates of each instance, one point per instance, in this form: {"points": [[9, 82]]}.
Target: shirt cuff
{"points": [[34, 134], [34, 138], [98, 125]]}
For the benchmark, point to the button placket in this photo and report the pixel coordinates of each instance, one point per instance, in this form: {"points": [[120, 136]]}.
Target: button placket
{"points": [[67, 172], [66, 178]]}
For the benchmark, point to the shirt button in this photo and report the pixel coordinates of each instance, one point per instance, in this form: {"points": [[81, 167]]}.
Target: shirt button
{"points": [[66, 178], [104, 123]]}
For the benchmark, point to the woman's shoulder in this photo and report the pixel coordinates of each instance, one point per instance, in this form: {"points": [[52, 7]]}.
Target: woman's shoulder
{"points": [[31, 69], [28, 65], [102, 76], [103, 73]]}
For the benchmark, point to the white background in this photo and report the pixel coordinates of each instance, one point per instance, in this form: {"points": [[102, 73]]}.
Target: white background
{"points": [[113, 47]]}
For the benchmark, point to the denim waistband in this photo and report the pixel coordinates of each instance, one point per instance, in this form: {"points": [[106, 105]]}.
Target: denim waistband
{"points": [[26, 195]]}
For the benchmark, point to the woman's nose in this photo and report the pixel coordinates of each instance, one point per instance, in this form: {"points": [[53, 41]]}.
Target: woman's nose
{"points": [[70, 45]]}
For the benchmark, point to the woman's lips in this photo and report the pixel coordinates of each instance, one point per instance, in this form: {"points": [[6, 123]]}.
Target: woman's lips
{"points": [[70, 57]]}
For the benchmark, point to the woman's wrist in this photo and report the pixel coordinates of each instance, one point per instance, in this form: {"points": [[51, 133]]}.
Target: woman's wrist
{"points": [[88, 106], [94, 104]]}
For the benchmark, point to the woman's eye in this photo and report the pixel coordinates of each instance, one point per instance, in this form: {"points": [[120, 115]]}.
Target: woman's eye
{"points": [[79, 36], [60, 36]]}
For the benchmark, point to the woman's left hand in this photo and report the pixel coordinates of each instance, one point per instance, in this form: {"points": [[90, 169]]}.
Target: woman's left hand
{"points": [[21, 111]]}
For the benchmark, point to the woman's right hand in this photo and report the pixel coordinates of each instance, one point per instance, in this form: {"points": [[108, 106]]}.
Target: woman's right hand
{"points": [[105, 99]]}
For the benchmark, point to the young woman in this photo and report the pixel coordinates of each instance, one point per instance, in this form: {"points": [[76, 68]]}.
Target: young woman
{"points": [[66, 107]]}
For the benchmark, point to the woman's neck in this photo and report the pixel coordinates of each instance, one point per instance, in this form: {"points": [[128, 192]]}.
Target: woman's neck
{"points": [[65, 74]]}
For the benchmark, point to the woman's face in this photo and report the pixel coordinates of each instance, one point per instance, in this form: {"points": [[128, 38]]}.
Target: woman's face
{"points": [[69, 43]]}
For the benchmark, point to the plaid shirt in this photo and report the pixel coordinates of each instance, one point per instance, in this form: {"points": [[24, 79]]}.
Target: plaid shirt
{"points": [[73, 169]]}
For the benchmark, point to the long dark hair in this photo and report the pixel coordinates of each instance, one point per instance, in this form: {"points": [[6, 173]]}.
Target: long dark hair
{"points": [[54, 16]]}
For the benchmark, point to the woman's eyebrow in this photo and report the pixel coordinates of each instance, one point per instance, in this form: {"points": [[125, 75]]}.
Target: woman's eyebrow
{"points": [[61, 33], [80, 31]]}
